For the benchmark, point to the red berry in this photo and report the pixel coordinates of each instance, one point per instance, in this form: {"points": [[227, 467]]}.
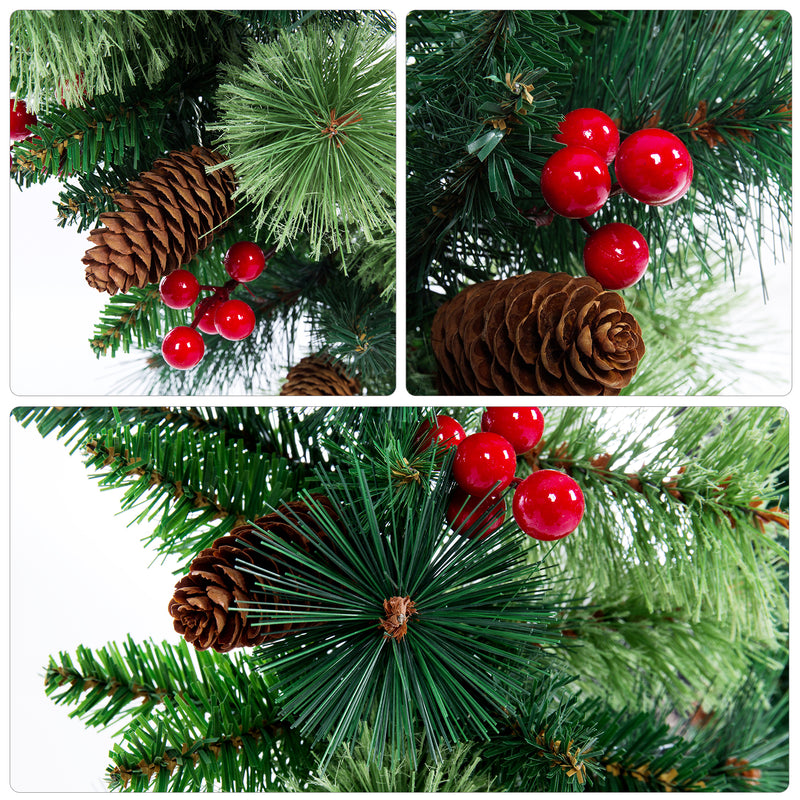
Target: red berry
{"points": [[20, 119], [484, 462], [179, 289], [465, 512], [244, 261], [521, 427], [447, 433], [616, 255], [235, 319], [548, 505], [591, 128], [654, 166], [575, 182], [206, 313], [183, 347]]}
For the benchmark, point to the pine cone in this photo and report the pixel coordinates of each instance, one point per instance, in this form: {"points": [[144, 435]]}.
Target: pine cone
{"points": [[319, 375], [210, 604], [167, 216], [541, 333]]}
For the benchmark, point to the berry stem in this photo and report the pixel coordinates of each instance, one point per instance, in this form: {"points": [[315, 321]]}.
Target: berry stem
{"points": [[586, 225]]}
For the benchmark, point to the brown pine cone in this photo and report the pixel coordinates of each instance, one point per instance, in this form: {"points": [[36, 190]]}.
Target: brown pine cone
{"points": [[210, 604], [537, 334], [166, 217], [319, 375]]}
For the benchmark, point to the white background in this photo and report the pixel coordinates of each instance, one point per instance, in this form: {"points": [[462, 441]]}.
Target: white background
{"points": [[50, 331]]}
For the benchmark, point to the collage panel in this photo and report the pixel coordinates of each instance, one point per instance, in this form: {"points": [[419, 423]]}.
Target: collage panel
{"points": [[231, 568], [599, 203], [203, 202], [400, 598]]}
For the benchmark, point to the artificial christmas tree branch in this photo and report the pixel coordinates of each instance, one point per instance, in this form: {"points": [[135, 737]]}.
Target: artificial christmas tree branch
{"points": [[110, 684], [644, 650], [292, 173], [106, 51]]}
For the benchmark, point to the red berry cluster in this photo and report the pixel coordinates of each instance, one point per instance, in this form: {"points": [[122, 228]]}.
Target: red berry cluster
{"points": [[547, 505], [183, 347], [652, 165]]}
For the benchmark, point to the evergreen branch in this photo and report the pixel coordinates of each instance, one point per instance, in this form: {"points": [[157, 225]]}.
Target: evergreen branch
{"points": [[75, 55], [355, 325], [82, 203], [470, 597], [266, 25], [197, 489], [234, 761], [720, 449], [563, 742], [80, 140], [286, 432], [312, 144], [356, 770], [226, 735], [194, 485], [104, 684]]}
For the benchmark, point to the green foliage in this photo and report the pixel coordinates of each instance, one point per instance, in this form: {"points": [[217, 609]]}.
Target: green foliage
{"points": [[201, 720], [482, 617], [75, 55], [563, 742], [308, 124], [356, 770], [375, 265], [356, 326], [266, 25], [111, 685], [686, 575]]}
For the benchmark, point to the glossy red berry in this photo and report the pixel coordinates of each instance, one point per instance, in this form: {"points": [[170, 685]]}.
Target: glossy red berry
{"points": [[616, 255], [179, 289], [206, 314], [575, 182], [183, 347], [522, 427], [590, 128], [20, 119], [484, 462], [654, 166], [446, 433], [465, 511], [235, 320], [548, 505], [244, 261]]}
